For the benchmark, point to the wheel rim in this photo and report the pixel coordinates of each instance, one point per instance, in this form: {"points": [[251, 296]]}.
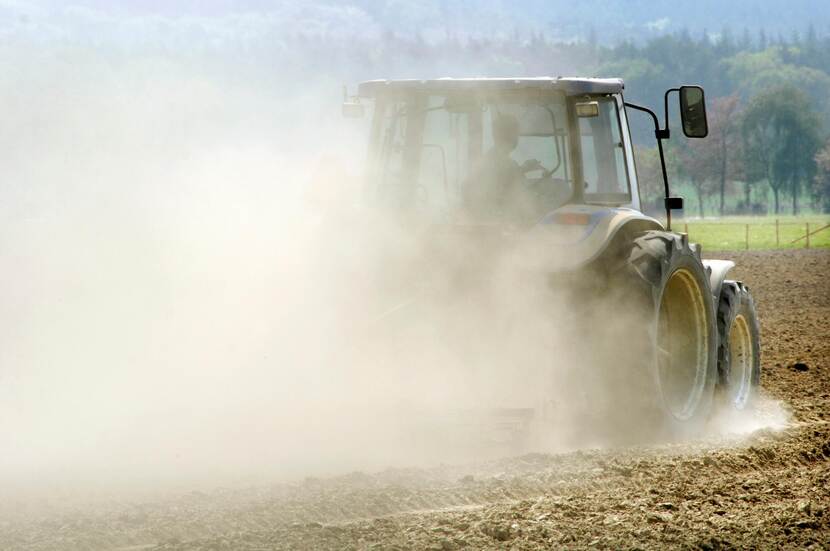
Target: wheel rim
{"points": [[682, 345], [741, 360]]}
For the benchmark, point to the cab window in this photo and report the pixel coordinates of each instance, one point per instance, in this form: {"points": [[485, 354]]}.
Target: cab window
{"points": [[603, 156]]}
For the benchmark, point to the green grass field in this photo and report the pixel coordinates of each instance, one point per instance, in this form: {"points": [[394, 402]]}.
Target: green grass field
{"points": [[730, 234]]}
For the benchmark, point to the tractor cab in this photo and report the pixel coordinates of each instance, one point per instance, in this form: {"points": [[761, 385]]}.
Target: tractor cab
{"points": [[498, 150]]}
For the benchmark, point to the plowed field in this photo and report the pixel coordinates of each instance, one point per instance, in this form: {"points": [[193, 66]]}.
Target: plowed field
{"points": [[768, 487]]}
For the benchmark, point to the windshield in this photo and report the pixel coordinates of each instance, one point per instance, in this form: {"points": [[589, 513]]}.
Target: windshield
{"points": [[479, 159]]}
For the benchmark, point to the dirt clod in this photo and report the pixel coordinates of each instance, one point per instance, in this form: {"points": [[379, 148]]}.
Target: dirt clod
{"points": [[659, 517], [804, 507]]}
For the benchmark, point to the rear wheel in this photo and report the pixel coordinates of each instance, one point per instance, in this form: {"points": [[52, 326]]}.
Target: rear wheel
{"points": [[677, 330], [739, 349]]}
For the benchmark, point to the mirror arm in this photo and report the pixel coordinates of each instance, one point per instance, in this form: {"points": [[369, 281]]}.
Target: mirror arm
{"points": [[666, 132], [660, 134]]}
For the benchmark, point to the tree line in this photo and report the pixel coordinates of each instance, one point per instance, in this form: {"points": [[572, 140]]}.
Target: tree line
{"points": [[772, 145], [768, 118]]}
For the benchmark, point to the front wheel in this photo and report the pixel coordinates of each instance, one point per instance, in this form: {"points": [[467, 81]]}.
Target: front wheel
{"points": [[739, 349]]}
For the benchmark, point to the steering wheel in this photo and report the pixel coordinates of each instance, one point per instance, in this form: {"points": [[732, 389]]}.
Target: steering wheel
{"points": [[533, 165], [547, 190]]}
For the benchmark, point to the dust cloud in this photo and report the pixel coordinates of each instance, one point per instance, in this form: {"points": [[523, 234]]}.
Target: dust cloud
{"points": [[765, 414], [192, 294], [152, 214]]}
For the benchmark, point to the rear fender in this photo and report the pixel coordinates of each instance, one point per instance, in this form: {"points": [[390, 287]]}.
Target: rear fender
{"points": [[579, 234], [717, 274]]}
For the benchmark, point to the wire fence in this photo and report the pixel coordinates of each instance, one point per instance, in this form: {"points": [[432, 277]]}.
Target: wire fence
{"points": [[758, 234]]}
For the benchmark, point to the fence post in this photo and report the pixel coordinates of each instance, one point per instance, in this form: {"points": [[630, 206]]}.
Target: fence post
{"points": [[777, 240], [808, 235], [686, 228], [747, 237]]}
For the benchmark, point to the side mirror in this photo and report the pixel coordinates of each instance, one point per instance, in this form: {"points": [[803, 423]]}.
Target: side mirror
{"points": [[673, 203], [693, 112], [352, 110]]}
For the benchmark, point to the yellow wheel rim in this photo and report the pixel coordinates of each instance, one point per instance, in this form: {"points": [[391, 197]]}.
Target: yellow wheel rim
{"points": [[682, 345]]}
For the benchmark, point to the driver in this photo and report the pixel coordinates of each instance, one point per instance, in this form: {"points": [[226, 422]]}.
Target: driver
{"points": [[497, 176]]}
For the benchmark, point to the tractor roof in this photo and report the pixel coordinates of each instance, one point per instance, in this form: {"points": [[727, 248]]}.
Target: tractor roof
{"points": [[570, 86]]}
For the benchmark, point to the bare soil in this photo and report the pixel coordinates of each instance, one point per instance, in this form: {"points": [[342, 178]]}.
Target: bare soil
{"points": [[765, 489]]}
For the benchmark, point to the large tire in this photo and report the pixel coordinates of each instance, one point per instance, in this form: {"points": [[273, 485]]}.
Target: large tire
{"points": [[676, 335], [739, 349]]}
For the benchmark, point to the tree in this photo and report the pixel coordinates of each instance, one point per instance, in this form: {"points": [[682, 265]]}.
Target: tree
{"points": [[799, 156], [725, 44], [751, 72], [710, 163], [821, 181], [746, 41], [781, 137], [694, 165], [723, 145]]}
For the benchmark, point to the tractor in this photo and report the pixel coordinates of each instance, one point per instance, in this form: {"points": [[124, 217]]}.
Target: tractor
{"points": [[547, 164]]}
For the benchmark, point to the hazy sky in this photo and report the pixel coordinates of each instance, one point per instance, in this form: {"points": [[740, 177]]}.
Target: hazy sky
{"points": [[558, 19], [147, 7]]}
